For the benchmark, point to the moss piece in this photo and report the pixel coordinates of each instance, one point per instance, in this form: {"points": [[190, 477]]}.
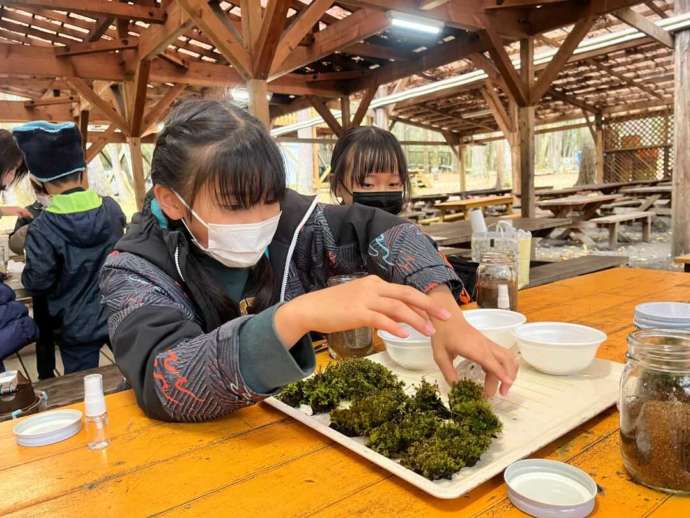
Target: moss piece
{"points": [[477, 417], [428, 399], [392, 438], [367, 413], [465, 390]]}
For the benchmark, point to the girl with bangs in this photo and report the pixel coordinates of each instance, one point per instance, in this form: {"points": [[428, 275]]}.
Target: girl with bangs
{"points": [[213, 291], [368, 167]]}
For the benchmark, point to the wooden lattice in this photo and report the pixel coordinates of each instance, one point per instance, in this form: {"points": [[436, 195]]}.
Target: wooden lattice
{"points": [[638, 149]]}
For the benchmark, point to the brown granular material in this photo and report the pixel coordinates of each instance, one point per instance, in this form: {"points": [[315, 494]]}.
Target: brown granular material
{"points": [[656, 449]]}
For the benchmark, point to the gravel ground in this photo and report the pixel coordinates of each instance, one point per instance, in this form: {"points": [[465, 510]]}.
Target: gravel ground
{"points": [[655, 254]]}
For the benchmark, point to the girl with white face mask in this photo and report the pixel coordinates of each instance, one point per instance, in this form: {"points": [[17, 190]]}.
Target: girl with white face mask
{"points": [[217, 284]]}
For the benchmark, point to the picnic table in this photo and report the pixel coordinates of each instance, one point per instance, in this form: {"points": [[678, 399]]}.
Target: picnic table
{"points": [[463, 207], [604, 188], [459, 233], [579, 209], [258, 462], [429, 199], [649, 196]]}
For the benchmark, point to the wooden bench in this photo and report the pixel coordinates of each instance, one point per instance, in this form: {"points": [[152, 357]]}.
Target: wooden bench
{"points": [[613, 224], [685, 261], [560, 270], [68, 389]]}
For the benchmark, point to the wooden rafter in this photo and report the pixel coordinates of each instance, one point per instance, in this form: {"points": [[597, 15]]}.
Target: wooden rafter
{"points": [[642, 24], [326, 115], [156, 39], [103, 23], [96, 47], [143, 13], [565, 51], [627, 80], [556, 94], [97, 101], [505, 66], [299, 28], [498, 110], [221, 34], [139, 91], [269, 37], [355, 27], [161, 108]]}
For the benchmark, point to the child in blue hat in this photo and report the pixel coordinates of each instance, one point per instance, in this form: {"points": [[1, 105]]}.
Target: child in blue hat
{"points": [[67, 244]]}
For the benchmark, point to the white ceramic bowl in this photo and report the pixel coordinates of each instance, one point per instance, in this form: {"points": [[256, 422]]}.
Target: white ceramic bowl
{"points": [[559, 348], [412, 353], [498, 325]]}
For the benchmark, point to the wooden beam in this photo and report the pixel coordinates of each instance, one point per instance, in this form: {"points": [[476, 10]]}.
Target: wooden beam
{"points": [[326, 115], [299, 28], [137, 170], [221, 34], [48, 102], [345, 118], [97, 101], [565, 51], [629, 81], [364, 106], [498, 110], [681, 115], [269, 37], [157, 38], [149, 14], [161, 108], [97, 145], [653, 7], [526, 135], [503, 63], [139, 91], [84, 127], [642, 24], [599, 148], [250, 23], [96, 47], [556, 94], [358, 26], [590, 125], [101, 26]]}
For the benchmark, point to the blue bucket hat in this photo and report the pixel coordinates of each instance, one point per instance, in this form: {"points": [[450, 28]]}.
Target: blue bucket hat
{"points": [[50, 150]]}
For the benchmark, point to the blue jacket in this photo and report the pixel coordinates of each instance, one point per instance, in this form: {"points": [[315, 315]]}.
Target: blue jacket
{"points": [[66, 247], [16, 327]]}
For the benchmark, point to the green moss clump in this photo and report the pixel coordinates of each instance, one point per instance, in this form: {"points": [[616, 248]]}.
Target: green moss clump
{"points": [[477, 417], [465, 390], [428, 399], [367, 413], [393, 438]]}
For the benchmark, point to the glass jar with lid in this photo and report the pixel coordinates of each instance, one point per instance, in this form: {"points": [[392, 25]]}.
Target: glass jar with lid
{"points": [[497, 281], [655, 409], [355, 342]]}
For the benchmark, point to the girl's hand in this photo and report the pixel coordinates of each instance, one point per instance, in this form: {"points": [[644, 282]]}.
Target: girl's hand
{"points": [[15, 211], [455, 337], [366, 302]]}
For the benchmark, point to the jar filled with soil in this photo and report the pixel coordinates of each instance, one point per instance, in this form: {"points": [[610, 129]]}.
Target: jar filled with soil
{"points": [[354, 343], [655, 410], [497, 281]]}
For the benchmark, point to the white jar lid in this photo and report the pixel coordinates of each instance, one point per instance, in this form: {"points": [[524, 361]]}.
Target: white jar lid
{"points": [[550, 489]]}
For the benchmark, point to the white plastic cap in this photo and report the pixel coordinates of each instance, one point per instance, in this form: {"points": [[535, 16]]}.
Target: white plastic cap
{"points": [[477, 221], [94, 400], [503, 301]]}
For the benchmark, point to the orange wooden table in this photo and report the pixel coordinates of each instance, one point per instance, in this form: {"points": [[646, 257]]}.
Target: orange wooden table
{"points": [[257, 462]]}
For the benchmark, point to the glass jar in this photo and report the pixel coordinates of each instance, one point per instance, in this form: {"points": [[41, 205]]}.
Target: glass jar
{"points": [[497, 281], [655, 409], [355, 342]]}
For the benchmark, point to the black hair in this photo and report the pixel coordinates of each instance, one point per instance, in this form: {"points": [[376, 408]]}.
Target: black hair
{"points": [[11, 157], [73, 177], [210, 143], [365, 150]]}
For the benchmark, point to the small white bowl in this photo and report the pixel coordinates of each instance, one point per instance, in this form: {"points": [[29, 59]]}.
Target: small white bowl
{"points": [[412, 353], [559, 348], [498, 325]]}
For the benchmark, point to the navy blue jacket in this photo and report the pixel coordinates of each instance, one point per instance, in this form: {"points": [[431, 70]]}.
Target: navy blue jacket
{"points": [[16, 327], [66, 247]]}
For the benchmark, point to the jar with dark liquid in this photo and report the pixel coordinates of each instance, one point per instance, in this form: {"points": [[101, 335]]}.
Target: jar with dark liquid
{"points": [[497, 281], [355, 342]]}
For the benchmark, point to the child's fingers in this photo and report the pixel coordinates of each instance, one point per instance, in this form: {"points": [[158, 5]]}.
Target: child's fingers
{"points": [[490, 385], [380, 321], [413, 297], [445, 365], [401, 312]]}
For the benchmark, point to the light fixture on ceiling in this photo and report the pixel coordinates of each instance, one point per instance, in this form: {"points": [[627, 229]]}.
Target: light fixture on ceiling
{"points": [[415, 23], [241, 95]]}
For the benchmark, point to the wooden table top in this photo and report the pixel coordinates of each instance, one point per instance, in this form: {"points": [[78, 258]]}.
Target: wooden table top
{"points": [[658, 189], [460, 232], [469, 202], [258, 462], [578, 201]]}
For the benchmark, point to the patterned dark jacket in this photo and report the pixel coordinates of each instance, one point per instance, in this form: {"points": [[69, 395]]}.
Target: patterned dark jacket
{"points": [[184, 366]]}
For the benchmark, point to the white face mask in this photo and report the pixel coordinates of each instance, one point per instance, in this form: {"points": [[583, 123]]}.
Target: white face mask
{"points": [[238, 245]]}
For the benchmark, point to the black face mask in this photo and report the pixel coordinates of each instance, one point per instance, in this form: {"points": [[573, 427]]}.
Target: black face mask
{"points": [[390, 201]]}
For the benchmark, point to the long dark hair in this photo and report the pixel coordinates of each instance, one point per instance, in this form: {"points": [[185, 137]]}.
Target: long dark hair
{"points": [[10, 157], [215, 144], [362, 151]]}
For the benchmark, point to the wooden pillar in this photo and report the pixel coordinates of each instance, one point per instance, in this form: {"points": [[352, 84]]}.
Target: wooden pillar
{"points": [[599, 148], [461, 167], [137, 170], [345, 117], [681, 165], [258, 100], [526, 131], [514, 141], [84, 127]]}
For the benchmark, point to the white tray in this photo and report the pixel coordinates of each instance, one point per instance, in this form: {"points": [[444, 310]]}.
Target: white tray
{"points": [[539, 409]]}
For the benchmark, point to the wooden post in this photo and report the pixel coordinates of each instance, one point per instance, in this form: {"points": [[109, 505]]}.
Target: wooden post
{"points": [[599, 148], [514, 141], [526, 131], [84, 127], [345, 118], [137, 170], [681, 165], [461, 167], [258, 100]]}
